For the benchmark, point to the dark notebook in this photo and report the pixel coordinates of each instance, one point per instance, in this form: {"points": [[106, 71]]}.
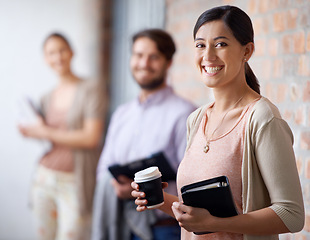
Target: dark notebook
{"points": [[158, 159], [212, 194]]}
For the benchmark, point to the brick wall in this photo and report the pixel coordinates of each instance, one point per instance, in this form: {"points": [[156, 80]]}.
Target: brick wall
{"points": [[281, 62]]}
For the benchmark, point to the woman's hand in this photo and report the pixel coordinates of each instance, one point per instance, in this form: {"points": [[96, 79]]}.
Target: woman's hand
{"points": [[193, 219], [36, 130], [140, 196]]}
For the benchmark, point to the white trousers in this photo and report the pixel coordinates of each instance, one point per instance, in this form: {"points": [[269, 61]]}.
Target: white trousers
{"points": [[56, 207]]}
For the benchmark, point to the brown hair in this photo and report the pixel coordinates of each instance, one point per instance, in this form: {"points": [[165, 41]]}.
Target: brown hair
{"points": [[163, 40], [56, 35]]}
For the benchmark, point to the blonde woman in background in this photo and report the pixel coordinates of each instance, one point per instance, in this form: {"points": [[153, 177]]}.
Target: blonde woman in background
{"points": [[72, 120]]}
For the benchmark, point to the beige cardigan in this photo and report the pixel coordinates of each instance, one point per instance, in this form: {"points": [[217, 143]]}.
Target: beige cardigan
{"points": [[269, 173], [88, 103]]}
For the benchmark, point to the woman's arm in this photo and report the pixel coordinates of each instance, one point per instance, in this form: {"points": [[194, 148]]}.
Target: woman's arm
{"points": [[88, 136], [261, 222]]}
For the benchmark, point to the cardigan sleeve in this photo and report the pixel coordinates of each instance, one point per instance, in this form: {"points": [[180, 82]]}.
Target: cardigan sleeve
{"points": [[192, 124], [94, 100], [276, 161]]}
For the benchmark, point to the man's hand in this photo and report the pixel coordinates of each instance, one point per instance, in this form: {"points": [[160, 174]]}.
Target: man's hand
{"points": [[123, 187]]}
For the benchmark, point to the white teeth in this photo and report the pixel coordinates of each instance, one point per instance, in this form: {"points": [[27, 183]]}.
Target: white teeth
{"points": [[213, 69]]}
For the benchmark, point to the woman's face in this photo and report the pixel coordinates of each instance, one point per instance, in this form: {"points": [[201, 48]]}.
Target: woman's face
{"points": [[58, 55], [219, 56]]}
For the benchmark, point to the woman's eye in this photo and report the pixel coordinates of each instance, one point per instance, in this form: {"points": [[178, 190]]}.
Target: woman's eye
{"points": [[199, 45], [220, 44]]}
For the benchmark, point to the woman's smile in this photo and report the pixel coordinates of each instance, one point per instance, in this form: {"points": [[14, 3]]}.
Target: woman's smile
{"points": [[212, 70]]}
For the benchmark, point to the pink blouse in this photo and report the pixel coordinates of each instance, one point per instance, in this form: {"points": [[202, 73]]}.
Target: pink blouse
{"points": [[59, 158], [223, 158]]}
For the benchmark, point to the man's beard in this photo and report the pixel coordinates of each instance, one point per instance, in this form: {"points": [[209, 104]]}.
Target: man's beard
{"points": [[155, 83]]}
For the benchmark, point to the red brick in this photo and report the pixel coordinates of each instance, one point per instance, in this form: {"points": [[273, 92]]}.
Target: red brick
{"points": [[307, 223], [266, 69], [258, 26], [273, 4], [277, 68], [306, 191], [308, 42], [252, 7], [299, 42], [266, 25], [304, 18], [278, 22], [300, 115], [305, 140], [269, 91], [299, 164], [287, 115], [300, 236], [281, 92], [264, 6], [291, 18], [260, 45], [273, 47], [306, 93], [287, 42], [303, 65]]}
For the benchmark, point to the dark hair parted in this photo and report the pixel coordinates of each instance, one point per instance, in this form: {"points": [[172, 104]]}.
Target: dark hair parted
{"points": [[56, 35], [240, 25], [163, 40]]}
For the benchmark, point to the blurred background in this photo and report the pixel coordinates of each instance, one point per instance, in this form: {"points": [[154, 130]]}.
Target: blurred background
{"points": [[100, 32]]}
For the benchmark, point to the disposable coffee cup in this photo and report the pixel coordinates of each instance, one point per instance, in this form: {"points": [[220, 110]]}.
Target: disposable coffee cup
{"points": [[149, 181]]}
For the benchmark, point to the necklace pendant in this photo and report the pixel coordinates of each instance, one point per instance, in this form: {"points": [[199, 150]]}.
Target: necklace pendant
{"points": [[206, 148]]}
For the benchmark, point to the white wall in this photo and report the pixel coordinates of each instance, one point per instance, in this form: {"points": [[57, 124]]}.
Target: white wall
{"points": [[23, 26]]}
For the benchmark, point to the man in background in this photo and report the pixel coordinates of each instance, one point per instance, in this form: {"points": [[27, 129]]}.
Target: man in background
{"points": [[153, 122]]}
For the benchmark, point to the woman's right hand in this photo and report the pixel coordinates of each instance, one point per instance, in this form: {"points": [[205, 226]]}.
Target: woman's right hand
{"points": [[140, 196]]}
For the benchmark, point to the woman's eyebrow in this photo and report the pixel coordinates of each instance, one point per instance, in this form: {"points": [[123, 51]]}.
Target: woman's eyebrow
{"points": [[199, 39], [216, 38], [219, 37]]}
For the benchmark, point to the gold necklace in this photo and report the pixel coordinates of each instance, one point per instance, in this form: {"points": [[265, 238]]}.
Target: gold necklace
{"points": [[207, 146]]}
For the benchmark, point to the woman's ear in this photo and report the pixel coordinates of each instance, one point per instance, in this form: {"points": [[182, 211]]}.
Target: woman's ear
{"points": [[249, 50]]}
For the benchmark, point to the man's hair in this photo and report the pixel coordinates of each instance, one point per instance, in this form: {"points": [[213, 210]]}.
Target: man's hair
{"points": [[163, 40]]}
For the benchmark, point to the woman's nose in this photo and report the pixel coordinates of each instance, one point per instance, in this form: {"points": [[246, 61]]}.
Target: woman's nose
{"points": [[209, 54]]}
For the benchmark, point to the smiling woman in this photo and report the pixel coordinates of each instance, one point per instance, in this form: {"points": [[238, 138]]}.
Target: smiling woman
{"points": [[219, 55], [241, 135], [58, 53]]}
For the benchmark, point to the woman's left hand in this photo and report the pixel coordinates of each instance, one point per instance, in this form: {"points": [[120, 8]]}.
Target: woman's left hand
{"points": [[193, 219], [36, 130]]}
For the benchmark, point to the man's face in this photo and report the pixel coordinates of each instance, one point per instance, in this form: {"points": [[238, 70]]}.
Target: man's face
{"points": [[148, 65]]}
